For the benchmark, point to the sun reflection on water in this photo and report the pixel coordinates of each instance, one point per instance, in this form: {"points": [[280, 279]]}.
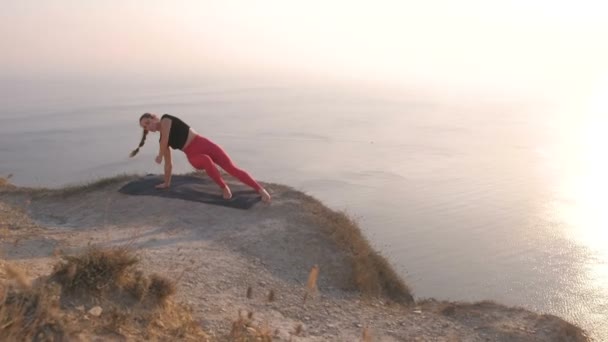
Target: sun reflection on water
{"points": [[583, 187]]}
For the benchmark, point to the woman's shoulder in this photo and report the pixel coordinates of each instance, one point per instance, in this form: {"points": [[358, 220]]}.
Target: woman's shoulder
{"points": [[173, 119]]}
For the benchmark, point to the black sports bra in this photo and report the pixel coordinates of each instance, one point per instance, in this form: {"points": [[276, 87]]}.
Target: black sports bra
{"points": [[178, 134]]}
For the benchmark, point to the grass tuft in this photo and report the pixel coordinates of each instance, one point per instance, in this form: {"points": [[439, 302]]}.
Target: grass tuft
{"points": [[244, 330], [95, 270], [31, 314], [160, 288], [134, 306]]}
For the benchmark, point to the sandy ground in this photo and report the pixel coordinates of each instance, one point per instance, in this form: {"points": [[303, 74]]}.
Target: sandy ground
{"points": [[215, 254]]}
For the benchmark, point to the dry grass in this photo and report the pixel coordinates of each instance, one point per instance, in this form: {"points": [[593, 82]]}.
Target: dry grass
{"points": [[476, 314], [76, 189], [4, 181], [244, 330], [160, 288], [135, 306], [366, 335], [562, 330], [18, 275], [95, 270], [98, 272], [69, 190], [30, 313], [371, 272], [14, 218], [297, 331], [311, 284]]}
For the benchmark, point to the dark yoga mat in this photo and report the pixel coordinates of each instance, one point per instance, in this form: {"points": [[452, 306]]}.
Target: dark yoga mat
{"points": [[192, 188]]}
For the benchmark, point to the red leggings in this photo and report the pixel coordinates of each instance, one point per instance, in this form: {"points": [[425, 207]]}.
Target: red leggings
{"points": [[203, 154]]}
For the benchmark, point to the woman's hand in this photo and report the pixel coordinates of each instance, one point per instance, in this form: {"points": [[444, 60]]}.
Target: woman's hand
{"points": [[162, 186], [158, 159]]}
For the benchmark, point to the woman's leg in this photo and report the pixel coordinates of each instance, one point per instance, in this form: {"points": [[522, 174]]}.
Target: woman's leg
{"points": [[204, 162], [205, 147], [219, 156]]}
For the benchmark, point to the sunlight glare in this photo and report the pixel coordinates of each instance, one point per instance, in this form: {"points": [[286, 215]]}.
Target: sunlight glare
{"points": [[590, 182]]}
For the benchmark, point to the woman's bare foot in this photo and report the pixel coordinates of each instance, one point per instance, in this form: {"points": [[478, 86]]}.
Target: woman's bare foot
{"points": [[265, 195], [226, 193]]}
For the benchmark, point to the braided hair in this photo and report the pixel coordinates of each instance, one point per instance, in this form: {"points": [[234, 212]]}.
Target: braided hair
{"points": [[143, 136]]}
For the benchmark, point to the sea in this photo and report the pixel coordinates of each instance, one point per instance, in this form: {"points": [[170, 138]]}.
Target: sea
{"points": [[471, 196]]}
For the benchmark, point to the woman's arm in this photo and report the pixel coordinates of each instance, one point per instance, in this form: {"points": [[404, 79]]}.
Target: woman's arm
{"points": [[165, 152], [168, 167], [165, 128]]}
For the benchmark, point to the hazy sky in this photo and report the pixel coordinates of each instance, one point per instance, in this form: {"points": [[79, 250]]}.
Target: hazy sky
{"points": [[516, 43]]}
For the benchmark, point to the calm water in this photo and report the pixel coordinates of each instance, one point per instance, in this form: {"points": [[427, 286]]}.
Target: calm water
{"points": [[470, 200]]}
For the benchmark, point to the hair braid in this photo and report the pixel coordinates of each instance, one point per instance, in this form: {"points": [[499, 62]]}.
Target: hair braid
{"points": [[143, 137], [141, 143]]}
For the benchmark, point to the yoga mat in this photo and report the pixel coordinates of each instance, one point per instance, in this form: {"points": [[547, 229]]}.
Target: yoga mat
{"points": [[193, 188]]}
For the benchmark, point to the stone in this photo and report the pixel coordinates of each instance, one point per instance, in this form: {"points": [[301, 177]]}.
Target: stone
{"points": [[96, 311]]}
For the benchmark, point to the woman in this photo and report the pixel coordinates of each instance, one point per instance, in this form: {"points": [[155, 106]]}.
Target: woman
{"points": [[201, 152]]}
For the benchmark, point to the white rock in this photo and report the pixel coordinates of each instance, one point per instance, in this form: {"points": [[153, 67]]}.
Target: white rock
{"points": [[96, 311]]}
